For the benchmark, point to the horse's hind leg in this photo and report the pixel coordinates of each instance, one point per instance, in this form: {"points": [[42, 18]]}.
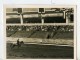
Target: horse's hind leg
{"points": [[12, 46], [18, 46]]}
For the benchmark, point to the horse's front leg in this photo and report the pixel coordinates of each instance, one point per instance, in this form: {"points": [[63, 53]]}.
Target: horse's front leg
{"points": [[18, 46], [11, 46]]}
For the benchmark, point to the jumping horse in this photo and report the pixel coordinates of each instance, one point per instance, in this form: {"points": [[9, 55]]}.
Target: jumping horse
{"points": [[18, 45]]}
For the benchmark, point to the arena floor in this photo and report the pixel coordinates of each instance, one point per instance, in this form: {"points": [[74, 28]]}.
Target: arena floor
{"points": [[31, 51]]}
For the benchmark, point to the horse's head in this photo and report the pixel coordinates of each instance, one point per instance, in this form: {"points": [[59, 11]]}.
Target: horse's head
{"points": [[21, 42]]}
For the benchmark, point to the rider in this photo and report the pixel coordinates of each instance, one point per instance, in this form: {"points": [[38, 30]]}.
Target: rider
{"points": [[18, 42]]}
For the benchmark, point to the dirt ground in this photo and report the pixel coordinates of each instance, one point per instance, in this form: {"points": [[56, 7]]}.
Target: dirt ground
{"points": [[30, 51]]}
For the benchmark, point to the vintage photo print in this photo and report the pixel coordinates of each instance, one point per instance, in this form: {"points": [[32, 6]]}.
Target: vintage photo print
{"points": [[40, 31]]}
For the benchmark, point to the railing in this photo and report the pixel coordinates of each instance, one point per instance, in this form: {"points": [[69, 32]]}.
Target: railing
{"points": [[40, 24], [69, 42]]}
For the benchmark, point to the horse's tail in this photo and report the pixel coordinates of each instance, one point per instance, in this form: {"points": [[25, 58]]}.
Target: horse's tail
{"points": [[12, 46]]}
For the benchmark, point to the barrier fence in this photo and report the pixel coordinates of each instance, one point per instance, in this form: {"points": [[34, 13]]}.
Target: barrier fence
{"points": [[42, 41]]}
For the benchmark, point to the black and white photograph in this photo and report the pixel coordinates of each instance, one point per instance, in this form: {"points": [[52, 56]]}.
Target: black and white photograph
{"points": [[40, 32]]}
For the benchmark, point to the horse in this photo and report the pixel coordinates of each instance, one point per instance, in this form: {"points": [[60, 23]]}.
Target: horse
{"points": [[16, 45]]}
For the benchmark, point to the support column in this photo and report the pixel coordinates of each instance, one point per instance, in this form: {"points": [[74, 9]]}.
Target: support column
{"points": [[64, 14], [67, 19], [21, 18], [42, 20]]}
